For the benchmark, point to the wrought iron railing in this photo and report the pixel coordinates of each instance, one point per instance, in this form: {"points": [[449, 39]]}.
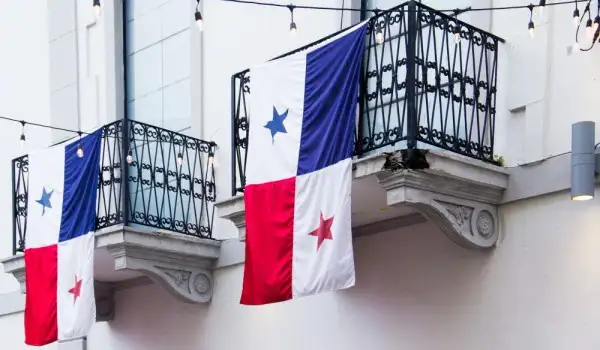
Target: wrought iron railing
{"points": [[170, 182], [420, 87]]}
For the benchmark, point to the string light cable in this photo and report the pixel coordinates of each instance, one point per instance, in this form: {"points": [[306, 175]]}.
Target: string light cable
{"points": [[542, 4], [80, 151], [592, 27]]}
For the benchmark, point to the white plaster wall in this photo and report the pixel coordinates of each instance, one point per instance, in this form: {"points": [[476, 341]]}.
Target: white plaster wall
{"points": [[543, 88], [415, 290], [83, 69], [24, 94]]}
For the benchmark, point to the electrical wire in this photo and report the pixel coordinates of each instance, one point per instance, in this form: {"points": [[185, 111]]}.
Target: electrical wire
{"points": [[79, 132], [329, 8], [24, 122]]}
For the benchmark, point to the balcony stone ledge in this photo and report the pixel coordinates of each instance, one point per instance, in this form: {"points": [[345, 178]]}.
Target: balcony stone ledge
{"points": [[181, 264], [233, 210], [459, 194]]}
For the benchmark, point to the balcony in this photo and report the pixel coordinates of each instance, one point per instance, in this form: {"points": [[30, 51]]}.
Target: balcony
{"points": [[424, 140], [157, 223]]}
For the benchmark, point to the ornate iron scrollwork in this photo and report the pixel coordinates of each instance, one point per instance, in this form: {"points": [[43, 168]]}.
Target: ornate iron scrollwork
{"points": [[170, 179]]}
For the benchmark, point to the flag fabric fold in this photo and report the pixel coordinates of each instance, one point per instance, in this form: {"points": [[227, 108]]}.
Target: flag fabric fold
{"points": [[59, 245], [299, 172]]}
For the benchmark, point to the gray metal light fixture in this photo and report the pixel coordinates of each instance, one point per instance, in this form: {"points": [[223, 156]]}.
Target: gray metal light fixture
{"points": [[584, 161]]}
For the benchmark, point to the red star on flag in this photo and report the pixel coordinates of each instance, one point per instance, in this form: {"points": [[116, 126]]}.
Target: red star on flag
{"points": [[323, 232], [76, 290]]}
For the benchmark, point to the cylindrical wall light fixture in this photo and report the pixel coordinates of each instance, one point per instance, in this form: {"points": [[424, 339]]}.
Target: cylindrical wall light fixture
{"points": [[583, 161]]}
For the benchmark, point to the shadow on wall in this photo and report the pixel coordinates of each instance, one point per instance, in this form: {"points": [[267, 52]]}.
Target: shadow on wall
{"points": [[147, 317], [414, 281], [415, 289]]}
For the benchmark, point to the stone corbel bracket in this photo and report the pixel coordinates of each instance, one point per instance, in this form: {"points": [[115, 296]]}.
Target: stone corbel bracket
{"points": [[180, 264], [233, 210], [459, 195], [15, 265]]}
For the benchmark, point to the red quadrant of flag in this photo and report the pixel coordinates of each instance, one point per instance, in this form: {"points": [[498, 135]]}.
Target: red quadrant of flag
{"points": [[40, 305], [269, 242]]}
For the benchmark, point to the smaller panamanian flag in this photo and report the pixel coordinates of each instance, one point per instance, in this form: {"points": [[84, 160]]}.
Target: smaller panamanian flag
{"points": [[299, 171], [59, 245]]}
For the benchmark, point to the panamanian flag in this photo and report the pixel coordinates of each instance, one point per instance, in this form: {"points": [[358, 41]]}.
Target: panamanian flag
{"points": [[59, 245], [299, 172]]}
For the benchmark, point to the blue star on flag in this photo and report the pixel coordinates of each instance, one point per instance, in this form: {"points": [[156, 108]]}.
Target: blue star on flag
{"points": [[276, 125], [45, 200]]}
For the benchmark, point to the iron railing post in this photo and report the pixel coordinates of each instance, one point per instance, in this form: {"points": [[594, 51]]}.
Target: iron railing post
{"points": [[125, 170], [363, 9], [362, 89], [125, 121], [233, 133], [411, 76], [14, 207]]}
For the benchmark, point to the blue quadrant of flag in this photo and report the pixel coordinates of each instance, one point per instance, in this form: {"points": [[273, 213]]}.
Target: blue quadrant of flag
{"points": [[330, 103], [81, 188]]}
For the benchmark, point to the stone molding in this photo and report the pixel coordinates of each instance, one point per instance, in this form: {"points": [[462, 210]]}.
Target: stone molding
{"points": [[15, 265], [459, 194], [233, 210], [181, 264]]}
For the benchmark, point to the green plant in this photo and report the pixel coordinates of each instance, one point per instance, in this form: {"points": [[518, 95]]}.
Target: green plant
{"points": [[499, 160]]}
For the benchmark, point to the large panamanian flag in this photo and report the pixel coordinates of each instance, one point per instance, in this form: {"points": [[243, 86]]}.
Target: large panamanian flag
{"points": [[299, 172], [59, 245]]}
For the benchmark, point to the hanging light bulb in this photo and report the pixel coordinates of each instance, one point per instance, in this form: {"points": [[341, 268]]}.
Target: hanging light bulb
{"points": [[379, 38], [199, 21], [198, 17], [576, 18], [588, 28], [22, 139], [79, 147], [596, 23], [212, 161], [79, 151], [97, 9], [531, 27], [542, 6], [293, 27], [179, 158], [457, 34], [129, 158]]}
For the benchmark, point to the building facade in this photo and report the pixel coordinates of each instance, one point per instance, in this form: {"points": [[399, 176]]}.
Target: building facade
{"points": [[466, 236]]}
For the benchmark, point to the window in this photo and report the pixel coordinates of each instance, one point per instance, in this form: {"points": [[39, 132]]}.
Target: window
{"points": [[158, 54]]}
